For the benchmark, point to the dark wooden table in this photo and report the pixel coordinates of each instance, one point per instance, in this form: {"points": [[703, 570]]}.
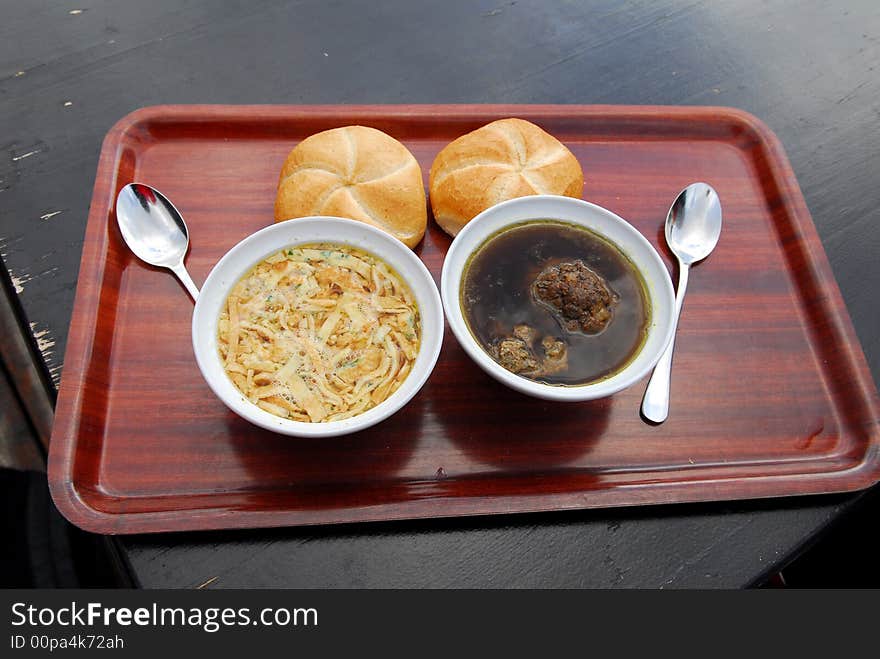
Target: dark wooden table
{"points": [[68, 71]]}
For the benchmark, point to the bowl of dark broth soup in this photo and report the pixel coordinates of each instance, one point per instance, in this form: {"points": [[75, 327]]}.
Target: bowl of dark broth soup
{"points": [[558, 298]]}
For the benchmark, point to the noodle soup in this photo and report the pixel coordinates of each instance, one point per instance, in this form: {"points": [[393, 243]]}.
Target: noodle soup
{"points": [[319, 333]]}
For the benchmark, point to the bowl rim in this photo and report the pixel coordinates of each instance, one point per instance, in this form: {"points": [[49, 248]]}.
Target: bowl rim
{"points": [[661, 293], [425, 362]]}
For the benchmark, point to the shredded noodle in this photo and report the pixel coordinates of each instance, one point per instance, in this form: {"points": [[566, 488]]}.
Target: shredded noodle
{"points": [[319, 333]]}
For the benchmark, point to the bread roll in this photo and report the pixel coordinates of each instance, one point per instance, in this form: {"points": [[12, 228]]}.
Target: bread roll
{"points": [[359, 173], [502, 160]]}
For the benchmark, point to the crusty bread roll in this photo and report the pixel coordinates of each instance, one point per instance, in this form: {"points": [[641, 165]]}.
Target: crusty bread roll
{"points": [[359, 173], [502, 160]]}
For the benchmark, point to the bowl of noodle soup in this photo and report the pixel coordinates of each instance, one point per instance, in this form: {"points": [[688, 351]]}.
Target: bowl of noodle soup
{"points": [[317, 327]]}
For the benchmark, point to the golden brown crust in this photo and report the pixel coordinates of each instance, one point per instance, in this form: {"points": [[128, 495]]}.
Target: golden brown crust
{"points": [[503, 160], [355, 172]]}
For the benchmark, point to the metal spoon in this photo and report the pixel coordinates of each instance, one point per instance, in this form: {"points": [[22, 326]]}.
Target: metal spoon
{"points": [[693, 226], [154, 230]]}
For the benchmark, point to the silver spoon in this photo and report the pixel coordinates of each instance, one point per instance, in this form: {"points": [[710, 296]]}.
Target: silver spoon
{"points": [[154, 230], [693, 226]]}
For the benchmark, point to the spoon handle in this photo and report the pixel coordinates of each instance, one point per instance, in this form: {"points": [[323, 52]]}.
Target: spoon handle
{"points": [[185, 279], [655, 404]]}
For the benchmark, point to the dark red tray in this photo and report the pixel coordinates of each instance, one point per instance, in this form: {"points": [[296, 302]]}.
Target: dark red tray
{"points": [[771, 394]]}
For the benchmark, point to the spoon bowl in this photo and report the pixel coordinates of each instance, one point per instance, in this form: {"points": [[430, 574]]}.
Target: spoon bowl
{"points": [[693, 224], [154, 230]]}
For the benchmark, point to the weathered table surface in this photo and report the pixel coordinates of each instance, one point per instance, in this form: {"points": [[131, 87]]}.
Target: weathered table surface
{"points": [[69, 71]]}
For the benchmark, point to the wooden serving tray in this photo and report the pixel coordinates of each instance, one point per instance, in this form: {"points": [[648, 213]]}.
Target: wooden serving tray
{"points": [[771, 394]]}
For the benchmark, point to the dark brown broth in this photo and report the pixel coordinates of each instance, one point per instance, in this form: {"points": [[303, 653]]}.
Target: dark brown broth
{"points": [[496, 296]]}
